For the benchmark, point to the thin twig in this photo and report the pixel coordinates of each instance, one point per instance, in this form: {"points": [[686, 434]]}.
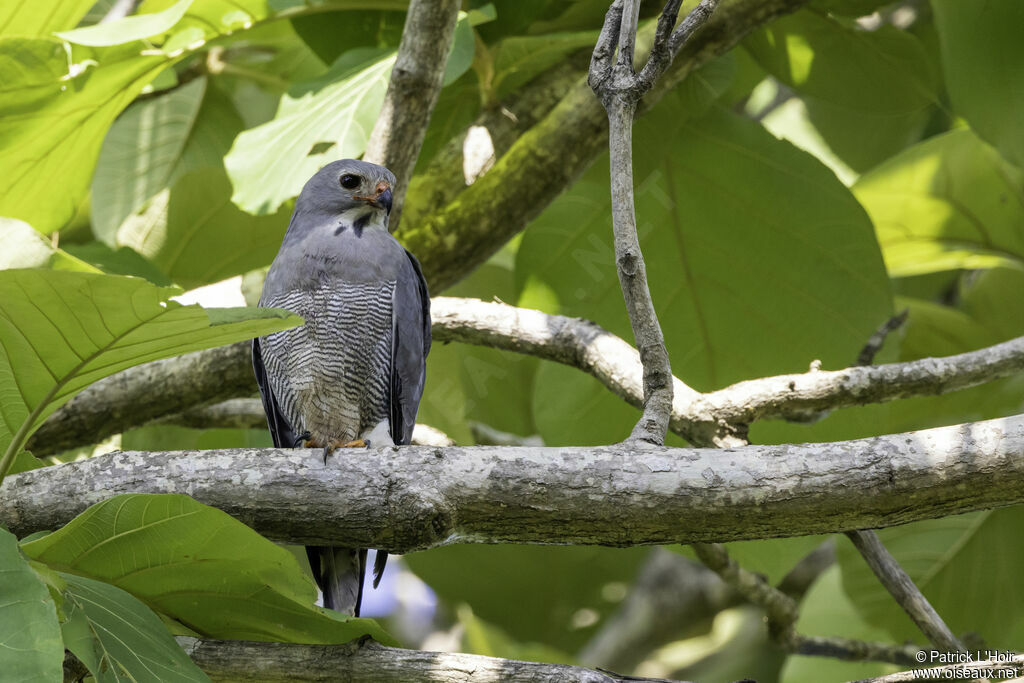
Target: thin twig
{"points": [[904, 591], [877, 340]]}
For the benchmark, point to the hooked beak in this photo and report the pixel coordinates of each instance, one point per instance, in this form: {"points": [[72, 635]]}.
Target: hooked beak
{"points": [[381, 199], [384, 200]]}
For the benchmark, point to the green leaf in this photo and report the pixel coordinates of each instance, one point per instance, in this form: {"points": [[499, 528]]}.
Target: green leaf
{"points": [[330, 34], [194, 234], [869, 93], [981, 55], [140, 154], [52, 122], [121, 261], [199, 566], [127, 29], [482, 638], [39, 18], [460, 56], [947, 203], [120, 639], [560, 582], [54, 111], [61, 331], [963, 565], [519, 58], [740, 231], [269, 164], [30, 643], [23, 247]]}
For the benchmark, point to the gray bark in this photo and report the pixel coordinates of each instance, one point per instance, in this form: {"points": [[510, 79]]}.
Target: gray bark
{"points": [[368, 661], [411, 498]]}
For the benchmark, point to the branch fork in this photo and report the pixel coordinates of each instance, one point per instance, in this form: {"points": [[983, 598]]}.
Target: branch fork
{"points": [[620, 88]]}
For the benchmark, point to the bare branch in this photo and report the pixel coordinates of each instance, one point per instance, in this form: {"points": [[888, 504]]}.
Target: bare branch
{"points": [[412, 92], [144, 393], [412, 497], [619, 94], [902, 588], [604, 50], [627, 34], [232, 660], [667, 45], [877, 340], [720, 417], [782, 611]]}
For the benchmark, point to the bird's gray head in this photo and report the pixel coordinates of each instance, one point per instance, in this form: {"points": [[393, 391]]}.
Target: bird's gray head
{"points": [[358, 192]]}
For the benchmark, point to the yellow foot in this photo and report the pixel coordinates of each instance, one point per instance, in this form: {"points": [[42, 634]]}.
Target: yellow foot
{"points": [[334, 444]]}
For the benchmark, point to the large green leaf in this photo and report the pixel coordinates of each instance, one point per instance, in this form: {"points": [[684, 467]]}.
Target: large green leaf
{"points": [[60, 331], [39, 18], [317, 122], [199, 566], [140, 154], [962, 564], [982, 54], [31, 648], [120, 639], [52, 122], [54, 111], [135, 27], [868, 92], [194, 234], [741, 232], [949, 202], [533, 593]]}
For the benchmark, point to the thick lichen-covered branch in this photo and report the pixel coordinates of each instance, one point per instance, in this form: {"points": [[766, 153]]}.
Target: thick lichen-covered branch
{"points": [[413, 497]]}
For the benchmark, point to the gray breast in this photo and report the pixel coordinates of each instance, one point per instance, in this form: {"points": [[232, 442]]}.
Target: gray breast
{"points": [[332, 376]]}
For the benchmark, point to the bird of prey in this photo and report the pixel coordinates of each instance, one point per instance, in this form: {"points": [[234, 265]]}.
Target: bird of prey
{"points": [[353, 374]]}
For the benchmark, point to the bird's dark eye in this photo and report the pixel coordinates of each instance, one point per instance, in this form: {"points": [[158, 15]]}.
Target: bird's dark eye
{"points": [[349, 181]]}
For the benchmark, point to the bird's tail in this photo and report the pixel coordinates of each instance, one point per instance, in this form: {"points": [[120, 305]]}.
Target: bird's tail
{"points": [[339, 573]]}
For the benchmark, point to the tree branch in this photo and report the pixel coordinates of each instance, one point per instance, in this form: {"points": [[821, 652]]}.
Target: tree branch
{"points": [[782, 612], [232, 660], [126, 400], [619, 89], [904, 591], [410, 498], [412, 91]]}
